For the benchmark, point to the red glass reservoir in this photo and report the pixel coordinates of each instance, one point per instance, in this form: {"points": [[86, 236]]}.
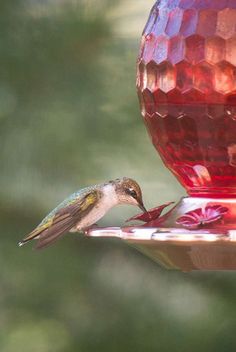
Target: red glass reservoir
{"points": [[187, 88]]}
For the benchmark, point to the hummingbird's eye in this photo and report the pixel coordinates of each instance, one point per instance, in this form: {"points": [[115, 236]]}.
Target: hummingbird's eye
{"points": [[131, 192]]}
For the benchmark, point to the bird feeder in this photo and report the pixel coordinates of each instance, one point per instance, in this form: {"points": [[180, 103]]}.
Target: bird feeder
{"points": [[186, 82]]}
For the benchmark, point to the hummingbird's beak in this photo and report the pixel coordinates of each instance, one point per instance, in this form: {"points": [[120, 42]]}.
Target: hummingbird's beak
{"points": [[142, 207]]}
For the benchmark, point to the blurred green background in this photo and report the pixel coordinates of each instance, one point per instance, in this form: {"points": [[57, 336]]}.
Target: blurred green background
{"points": [[69, 117]]}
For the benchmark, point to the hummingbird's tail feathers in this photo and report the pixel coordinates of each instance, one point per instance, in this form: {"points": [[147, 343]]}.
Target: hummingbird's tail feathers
{"points": [[48, 235], [52, 235], [33, 235], [62, 223], [46, 241]]}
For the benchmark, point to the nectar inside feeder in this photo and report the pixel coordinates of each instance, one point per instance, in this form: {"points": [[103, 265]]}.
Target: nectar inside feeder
{"points": [[186, 81]]}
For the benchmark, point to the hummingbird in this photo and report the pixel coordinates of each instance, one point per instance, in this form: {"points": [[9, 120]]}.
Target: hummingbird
{"points": [[84, 208]]}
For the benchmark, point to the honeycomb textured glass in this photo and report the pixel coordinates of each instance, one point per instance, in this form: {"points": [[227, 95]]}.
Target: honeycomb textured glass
{"points": [[186, 80]]}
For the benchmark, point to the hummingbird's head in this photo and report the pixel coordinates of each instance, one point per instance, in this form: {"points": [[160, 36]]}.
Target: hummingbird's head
{"points": [[129, 192]]}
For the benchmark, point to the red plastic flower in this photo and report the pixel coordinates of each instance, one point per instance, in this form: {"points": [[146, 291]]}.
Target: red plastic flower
{"points": [[150, 215], [202, 216]]}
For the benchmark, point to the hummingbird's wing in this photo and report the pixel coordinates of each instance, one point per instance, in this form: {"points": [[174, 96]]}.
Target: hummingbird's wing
{"points": [[63, 219]]}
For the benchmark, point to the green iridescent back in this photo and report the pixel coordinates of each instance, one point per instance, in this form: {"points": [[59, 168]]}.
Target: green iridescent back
{"points": [[78, 195]]}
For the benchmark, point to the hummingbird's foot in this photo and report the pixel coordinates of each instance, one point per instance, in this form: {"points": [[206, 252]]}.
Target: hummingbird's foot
{"points": [[84, 230], [94, 226]]}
